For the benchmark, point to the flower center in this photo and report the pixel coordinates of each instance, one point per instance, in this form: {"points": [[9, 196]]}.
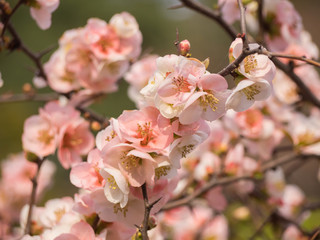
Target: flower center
{"points": [[162, 171], [146, 133], [209, 100], [250, 63], [111, 136], [251, 91], [117, 208], [112, 183], [187, 149], [45, 137], [181, 84], [130, 161]]}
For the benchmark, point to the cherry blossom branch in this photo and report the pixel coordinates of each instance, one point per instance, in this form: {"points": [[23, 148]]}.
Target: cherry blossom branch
{"points": [[210, 13], [14, 98], [6, 17], [302, 58], [34, 181], [228, 180], [202, 9], [263, 224], [35, 57], [242, 18], [147, 206]]}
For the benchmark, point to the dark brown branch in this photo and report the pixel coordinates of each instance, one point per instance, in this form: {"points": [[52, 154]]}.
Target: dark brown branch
{"points": [[214, 15], [36, 58], [263, 224], [305, 92], [8, 16], [147, 206], [34, 181]]}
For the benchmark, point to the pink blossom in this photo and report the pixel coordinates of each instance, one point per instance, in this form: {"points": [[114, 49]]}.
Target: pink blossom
{"points": [[217, 228], [250, 122], [42, 11], [255, 66], [137, 166], [87, 174], [216, 199], [131, 214], [209, 102], [230, 10], [292, 199], [79, 231], [59, 114], [293, 233], [246, 93], [116, 187], [59, 79], [75, 139], [39, 136], [146, 129], [182, 147], [16, 185]]}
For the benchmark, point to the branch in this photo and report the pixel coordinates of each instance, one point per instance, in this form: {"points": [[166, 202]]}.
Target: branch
{"points": [[33, 195], [15, 98], [302, 58], [36, 58], [226, 181], [6, 17], [147, 206], [304, 90], [204, 10]]}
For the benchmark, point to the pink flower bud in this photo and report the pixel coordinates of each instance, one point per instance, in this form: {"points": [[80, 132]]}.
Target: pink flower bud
{"points": [[184, 47]]}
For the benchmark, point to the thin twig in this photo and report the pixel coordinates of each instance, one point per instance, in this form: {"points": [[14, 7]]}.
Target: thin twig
{"points": [[263, 224], [34, 181], [302, 58], [15, 98], [204, 10], [147, 206], [144, 228], [7, 17], [36, 58]]}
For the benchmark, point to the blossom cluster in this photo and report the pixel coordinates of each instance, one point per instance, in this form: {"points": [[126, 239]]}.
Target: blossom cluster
{"points": [[95, 56], [59, 127]]}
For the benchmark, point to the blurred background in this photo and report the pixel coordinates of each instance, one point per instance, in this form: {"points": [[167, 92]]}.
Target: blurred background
{"points": [[158, 25]]}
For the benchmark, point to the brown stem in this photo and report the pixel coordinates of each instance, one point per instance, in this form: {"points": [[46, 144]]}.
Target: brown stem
{"points": [[7, 17], [147, 206], [204, 10], [14, 98], [147, 209], [36, 58], [34, 181]]}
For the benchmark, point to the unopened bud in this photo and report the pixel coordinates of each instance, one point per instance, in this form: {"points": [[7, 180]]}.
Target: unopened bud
{"points": [[184, 47], [241, 213], [95, 126], [27, 88]]}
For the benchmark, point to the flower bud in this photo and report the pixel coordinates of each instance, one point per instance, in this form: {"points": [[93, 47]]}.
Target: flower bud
{"points": [[184, 47]]}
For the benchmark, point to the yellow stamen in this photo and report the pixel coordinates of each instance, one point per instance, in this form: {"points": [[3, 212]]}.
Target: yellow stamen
{"points": [[250, 63], [251, 91], [209, 100]]}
